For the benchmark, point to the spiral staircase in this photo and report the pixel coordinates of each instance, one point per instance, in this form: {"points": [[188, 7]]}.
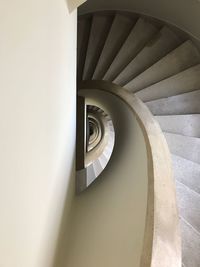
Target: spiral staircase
{"points": [[98, 145], [161, 65]]}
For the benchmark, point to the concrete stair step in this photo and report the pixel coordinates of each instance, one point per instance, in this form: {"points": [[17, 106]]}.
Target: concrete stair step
{"points": [[99, 30], [118, 33], [90, 174], [111, 134], [103, 160], [184, 146], [190, 245], [97, 167], [183, 82], [107, 152], [188, 203], [187, 103], [111, 139], [187, 172], [141, 33], [82, 43], [183, 57], [188, 125], [161, 44]]}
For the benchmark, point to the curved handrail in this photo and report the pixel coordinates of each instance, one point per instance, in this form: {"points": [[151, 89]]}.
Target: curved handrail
{"points": [[162, 242]]}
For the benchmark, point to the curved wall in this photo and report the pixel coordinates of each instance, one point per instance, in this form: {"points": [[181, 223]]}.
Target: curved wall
{"points": [[108, 219], [185, 14]]}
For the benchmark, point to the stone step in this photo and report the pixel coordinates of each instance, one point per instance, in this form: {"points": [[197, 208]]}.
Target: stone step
{"points": [[183, 82], [188, 125], [82, 43], [187, 172], [119, 31], [190, 245], [161, 44], [183, 57], [99, 30], [103, 160], [90, 174], [188, 204], [141, 33], [187, 103], [184, 146], [97, 167]]}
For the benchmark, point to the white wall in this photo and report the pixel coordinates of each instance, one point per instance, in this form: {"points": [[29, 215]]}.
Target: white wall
{"points": [[37, 127], [185, 14]]}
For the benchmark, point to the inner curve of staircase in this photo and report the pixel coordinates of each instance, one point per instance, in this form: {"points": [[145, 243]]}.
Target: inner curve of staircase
{"points": [[162, 67]]}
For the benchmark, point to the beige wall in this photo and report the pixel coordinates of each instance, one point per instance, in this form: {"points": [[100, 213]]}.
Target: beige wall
{"points": [[37, 129], [108, 219], [181, 13]]}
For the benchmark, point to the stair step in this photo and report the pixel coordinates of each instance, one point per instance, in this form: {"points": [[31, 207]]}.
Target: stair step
{"points": [[141, 33], [103, 160], [188, 125], [183, 82], [188, 203], [190, 245], [187, 103], [97, 167], [187, 172], [107, 152], [111, 134], [161, 44], [184, 146], [82, 43], [99, 30], [90, 174], [111, 139], [183, 57], [118, 33]]}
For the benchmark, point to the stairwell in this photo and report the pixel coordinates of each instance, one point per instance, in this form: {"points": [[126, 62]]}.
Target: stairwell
{"points": [[161, 66]]}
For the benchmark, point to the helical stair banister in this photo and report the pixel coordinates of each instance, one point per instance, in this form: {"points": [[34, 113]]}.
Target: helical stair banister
{"points": [[162, 242]]}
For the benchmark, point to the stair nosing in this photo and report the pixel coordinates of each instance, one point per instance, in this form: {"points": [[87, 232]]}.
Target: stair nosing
{"points": [[189, 225], [176, 115], [105, 44], [168, 132], [193, 137], [169, 96], [186, 159], [188, 188], [136, 53]]}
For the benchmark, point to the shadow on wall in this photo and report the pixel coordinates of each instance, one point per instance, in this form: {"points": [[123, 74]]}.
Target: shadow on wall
{"points": [[73, 4], [62, 241], [113, 208]]}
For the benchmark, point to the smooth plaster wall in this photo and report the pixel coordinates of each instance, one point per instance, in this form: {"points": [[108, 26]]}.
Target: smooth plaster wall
{"points": [[185, 14], [37, 129], [108, 219]]}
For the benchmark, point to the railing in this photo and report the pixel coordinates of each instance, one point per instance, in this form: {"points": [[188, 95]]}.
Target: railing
{"points": [[162, 244]]}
